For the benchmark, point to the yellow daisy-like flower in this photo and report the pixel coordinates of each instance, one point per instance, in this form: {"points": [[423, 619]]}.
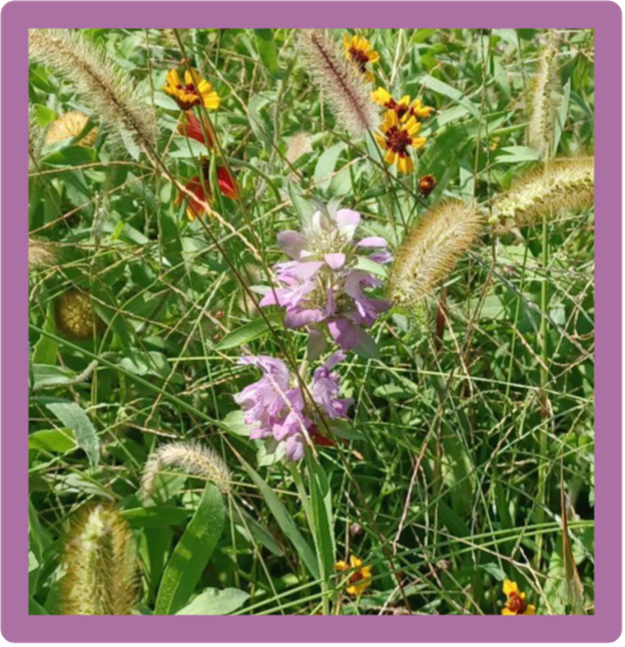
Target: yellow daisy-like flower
{"points": [[397, 137], [402, 107], [360, 580], [194, 92], [358, 50], [516, 605], [70, 125]]}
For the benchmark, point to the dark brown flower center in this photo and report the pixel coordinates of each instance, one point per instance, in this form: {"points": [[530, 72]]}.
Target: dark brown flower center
{"points": [[360, 58], [516, 604], [398, 140]]}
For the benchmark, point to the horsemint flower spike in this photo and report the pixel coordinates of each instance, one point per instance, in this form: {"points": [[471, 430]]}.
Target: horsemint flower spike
{"points": [[274, 407], [515, 604], [322, 287], [100, 562], [358, 50], [75, 316], [398, 136], [195, 90], [360, 579]]}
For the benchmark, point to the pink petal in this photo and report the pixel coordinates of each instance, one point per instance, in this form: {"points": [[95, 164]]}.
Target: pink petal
{"points": [[343, 333], [372, 241], [335, 261], [347, 217]]}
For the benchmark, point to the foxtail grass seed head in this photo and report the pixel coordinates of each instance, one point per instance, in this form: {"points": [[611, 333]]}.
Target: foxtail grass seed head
{"points": [[36, 139], [118, 100], [430, 251], [544, 101], [344, 88], [191, 457], [40, 254], [74, 315], [100, 564], [69, 126], [552, 189]]}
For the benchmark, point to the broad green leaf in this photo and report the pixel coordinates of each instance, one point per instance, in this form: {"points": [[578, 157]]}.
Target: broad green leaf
{"points": [[75, 419], [451, 93], [267, 50], [70, 156], [249, 332], [236, 424], [56, 441], [192, 552], [213, 602], [326, 165], [162, 516]]}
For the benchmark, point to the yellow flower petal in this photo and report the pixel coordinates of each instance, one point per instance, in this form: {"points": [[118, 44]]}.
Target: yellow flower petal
{"points": [[510, 587], [419, 142], [530, 610], [506, 612], [390, 157], [173, 78], [381, 96], [212, 101], [405, 165], [374, 57]]}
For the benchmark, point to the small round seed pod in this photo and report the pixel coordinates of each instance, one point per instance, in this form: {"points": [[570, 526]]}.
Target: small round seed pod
{"points": [[75, 316]]}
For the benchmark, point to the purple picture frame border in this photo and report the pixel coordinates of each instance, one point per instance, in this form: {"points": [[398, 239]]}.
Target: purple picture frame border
{"points": [[16, 625]]}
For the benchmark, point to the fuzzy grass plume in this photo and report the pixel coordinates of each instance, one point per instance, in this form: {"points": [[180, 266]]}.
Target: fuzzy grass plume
{"points": [[431, 250], [36, 138], [40, 254], [100, 562], [542, 120], [112, 94], [348, 94], [554, 188], [191, 457]]}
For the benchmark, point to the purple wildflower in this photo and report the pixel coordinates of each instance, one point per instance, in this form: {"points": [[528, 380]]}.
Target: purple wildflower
{"points": [[321, 287], [274, 406]]}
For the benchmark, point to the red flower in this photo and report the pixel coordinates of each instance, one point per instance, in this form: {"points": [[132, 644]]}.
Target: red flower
{"points": [[202, 191], [190, 126]]}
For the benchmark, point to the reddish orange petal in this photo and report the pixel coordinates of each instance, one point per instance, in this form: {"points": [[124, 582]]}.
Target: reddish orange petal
{"points": [[227, 184]]}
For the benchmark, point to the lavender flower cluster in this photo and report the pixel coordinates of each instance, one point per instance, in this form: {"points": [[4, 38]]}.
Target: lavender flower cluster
{"points": [[323, 290], [321, 284], [274, 407]]}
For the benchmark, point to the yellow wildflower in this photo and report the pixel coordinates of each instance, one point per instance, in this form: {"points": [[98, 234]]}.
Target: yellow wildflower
{"points": [[194, 92], [397, 137], [358, 50], [402, 107], [516, 605], [360, 579]]}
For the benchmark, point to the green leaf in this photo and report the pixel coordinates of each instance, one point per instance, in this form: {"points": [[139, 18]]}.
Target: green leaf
{"points": [[236, 424], [155, 517], [46, 348], [249, 332], [451, 93], [321, 506], [75, 419], [267, 50], [326, 165], [213, 602], [71, 156], [192, 553], [284, 520], [515, 154], [56, 441], [35, 609]]}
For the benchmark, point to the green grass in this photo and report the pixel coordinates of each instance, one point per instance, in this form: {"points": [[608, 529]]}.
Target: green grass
{"points": [[469, 449]]}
